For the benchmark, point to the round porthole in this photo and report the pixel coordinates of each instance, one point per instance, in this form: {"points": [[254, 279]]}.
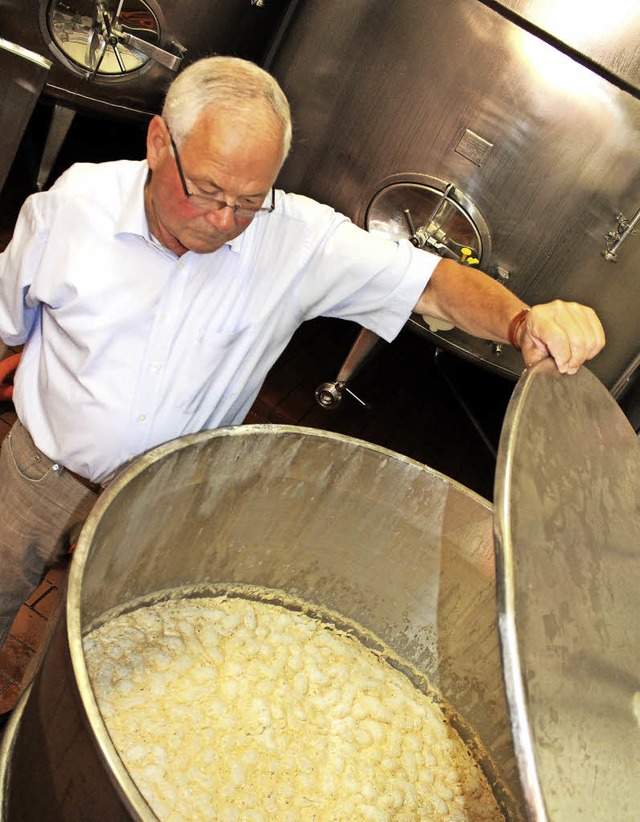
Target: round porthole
{"points": [[433, 214], [94, 39]]}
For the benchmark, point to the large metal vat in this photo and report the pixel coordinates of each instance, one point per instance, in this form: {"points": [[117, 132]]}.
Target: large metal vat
{"points": [[118, 57], [543, 142], [185, 30], [385, 541], [409, 555]]}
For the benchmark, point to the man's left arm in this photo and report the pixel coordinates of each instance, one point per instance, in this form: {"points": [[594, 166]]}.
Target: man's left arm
{"points": [[475, 303]]}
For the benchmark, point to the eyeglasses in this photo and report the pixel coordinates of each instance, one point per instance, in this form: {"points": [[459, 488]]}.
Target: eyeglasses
{"points": [[210, 202]]}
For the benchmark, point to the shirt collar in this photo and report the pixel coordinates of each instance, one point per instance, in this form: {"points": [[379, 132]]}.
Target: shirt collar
{"points": [[133, 219]]}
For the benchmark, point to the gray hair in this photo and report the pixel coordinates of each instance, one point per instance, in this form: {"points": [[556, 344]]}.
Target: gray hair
{"points": [[228, 82]]}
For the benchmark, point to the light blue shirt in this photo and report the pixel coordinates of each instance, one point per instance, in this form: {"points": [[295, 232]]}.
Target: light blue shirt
{"points": [[128, 346]]}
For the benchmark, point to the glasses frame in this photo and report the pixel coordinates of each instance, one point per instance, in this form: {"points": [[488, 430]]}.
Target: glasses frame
{"points": [[213, 203]]}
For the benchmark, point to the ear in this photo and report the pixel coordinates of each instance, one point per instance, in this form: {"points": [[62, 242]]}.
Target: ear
{"points": [[157, 141]]}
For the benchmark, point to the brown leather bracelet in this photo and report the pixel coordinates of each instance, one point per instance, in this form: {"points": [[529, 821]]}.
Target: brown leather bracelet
{"points": [[514, 327]]}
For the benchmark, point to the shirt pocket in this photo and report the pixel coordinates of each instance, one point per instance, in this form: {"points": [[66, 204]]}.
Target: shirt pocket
{"points": [[212, 372]]}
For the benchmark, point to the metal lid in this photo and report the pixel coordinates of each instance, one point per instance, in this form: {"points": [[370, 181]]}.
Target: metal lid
{"points": [[567, 504]]}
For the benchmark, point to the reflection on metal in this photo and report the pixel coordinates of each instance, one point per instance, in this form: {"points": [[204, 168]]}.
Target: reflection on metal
{"points": [[129, 50], [119, 56], [603, 36], [619, 235], [473, 147], [351, 527], [433, 236], [329, 394], [24, 75], [568, 566]]}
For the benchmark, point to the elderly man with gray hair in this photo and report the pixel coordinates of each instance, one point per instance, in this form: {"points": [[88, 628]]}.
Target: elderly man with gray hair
{"points": [[152, 298]]}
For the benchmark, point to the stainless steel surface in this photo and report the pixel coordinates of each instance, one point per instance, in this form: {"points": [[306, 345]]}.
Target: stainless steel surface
{"points": [[355, 528], [329, 394], [607, 33], [568, 546], [119, 57], [24, 74], [201, 27], [547, 150], [89, 36]]}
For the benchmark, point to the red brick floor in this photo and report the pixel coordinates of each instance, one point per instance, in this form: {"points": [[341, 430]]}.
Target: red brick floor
{"points": [[20, 653]]}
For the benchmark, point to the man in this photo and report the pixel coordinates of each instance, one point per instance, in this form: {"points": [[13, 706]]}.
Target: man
{"points": [[152, 298]]}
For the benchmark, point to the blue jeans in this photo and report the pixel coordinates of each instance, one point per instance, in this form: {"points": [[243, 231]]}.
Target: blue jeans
{"points": [[42, 510]]}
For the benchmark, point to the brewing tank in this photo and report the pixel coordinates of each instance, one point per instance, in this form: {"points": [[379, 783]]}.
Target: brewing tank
{"points": [[119, 56], [528, 114], [116, 58], [530, 638], [354, 528]]}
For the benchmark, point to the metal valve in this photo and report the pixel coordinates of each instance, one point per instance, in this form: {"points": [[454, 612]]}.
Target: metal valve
{"points": [[432, 236], [329, 395], [615, 238]]}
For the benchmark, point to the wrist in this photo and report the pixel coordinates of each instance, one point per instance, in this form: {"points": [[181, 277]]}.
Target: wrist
{"points": [[516, 327]]}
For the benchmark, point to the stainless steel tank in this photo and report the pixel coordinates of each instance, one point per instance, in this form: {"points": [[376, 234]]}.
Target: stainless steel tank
{"points": [[383, 540], [535, 646], [541, 136], [118, 57]]}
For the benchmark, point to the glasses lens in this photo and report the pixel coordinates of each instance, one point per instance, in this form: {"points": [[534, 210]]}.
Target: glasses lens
{"points": [[205, 203], [214, 204]]}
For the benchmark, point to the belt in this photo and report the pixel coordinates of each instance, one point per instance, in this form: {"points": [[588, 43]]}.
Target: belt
{"points": [[92, 486]]}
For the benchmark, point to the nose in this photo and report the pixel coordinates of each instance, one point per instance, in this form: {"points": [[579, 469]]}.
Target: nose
{"points": [[223, 219]]}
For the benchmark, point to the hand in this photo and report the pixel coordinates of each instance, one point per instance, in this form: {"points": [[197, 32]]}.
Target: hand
{"points": [[569, 332]]}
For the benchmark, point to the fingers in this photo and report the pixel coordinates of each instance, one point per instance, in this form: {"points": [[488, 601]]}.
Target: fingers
{"points": [[569, 332]]}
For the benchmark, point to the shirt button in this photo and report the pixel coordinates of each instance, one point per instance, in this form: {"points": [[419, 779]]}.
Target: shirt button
{"points": [[154, 366], [142, 417]]}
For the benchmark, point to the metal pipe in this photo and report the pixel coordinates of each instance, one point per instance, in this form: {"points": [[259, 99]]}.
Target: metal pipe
{"points": [[463, 404]]}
